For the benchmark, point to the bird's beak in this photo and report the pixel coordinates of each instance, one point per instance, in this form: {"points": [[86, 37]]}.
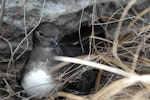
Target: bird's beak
{"points": [[55, 45]]}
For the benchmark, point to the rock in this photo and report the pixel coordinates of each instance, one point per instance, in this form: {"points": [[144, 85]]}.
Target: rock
{"points": [[51, 11]]}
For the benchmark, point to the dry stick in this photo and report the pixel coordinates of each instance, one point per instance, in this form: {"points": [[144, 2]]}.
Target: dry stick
{"points": [[126, 68], [116, 87], [138, 17], [94, 44], [95, 65], [147, 27], [123, 66], [138, 31], [107, 92], [80, 29], [2, 11], [125, 39], [70, 96], [132, 77], [65, 63], [129, 15], [15, 93], [134, 21], [11, 52], [141, 94], [139, 98], [141, 30], [105, 59], [93, 12], [136, 56], [9, 89], [98, 81], [109, 80], [62, 64], [109, 20], [93, 21], [115, 43], [25, 29]]}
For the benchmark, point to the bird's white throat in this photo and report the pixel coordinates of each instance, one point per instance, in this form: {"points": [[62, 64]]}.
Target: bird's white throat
{"points": [[38, 83]]}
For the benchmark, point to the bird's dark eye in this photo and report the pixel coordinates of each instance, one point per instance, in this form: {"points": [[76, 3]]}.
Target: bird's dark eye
{"points": [[40, 33]]}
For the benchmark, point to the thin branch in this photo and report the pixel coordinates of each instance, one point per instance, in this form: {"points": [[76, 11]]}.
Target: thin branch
{"points": [[95, 65], [2, 11], [115, 44]]}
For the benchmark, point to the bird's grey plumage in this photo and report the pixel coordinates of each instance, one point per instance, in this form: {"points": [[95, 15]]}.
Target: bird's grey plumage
{"points": [[45, 47]]}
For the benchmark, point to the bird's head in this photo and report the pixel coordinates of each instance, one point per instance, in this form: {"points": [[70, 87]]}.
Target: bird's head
{"points": [[46, 35]]}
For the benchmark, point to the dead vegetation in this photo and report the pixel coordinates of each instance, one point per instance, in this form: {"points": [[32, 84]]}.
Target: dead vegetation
{"points": [[125, 55]]}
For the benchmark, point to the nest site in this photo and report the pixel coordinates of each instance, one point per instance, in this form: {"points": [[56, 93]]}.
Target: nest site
{"points": [[123, 54]]}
